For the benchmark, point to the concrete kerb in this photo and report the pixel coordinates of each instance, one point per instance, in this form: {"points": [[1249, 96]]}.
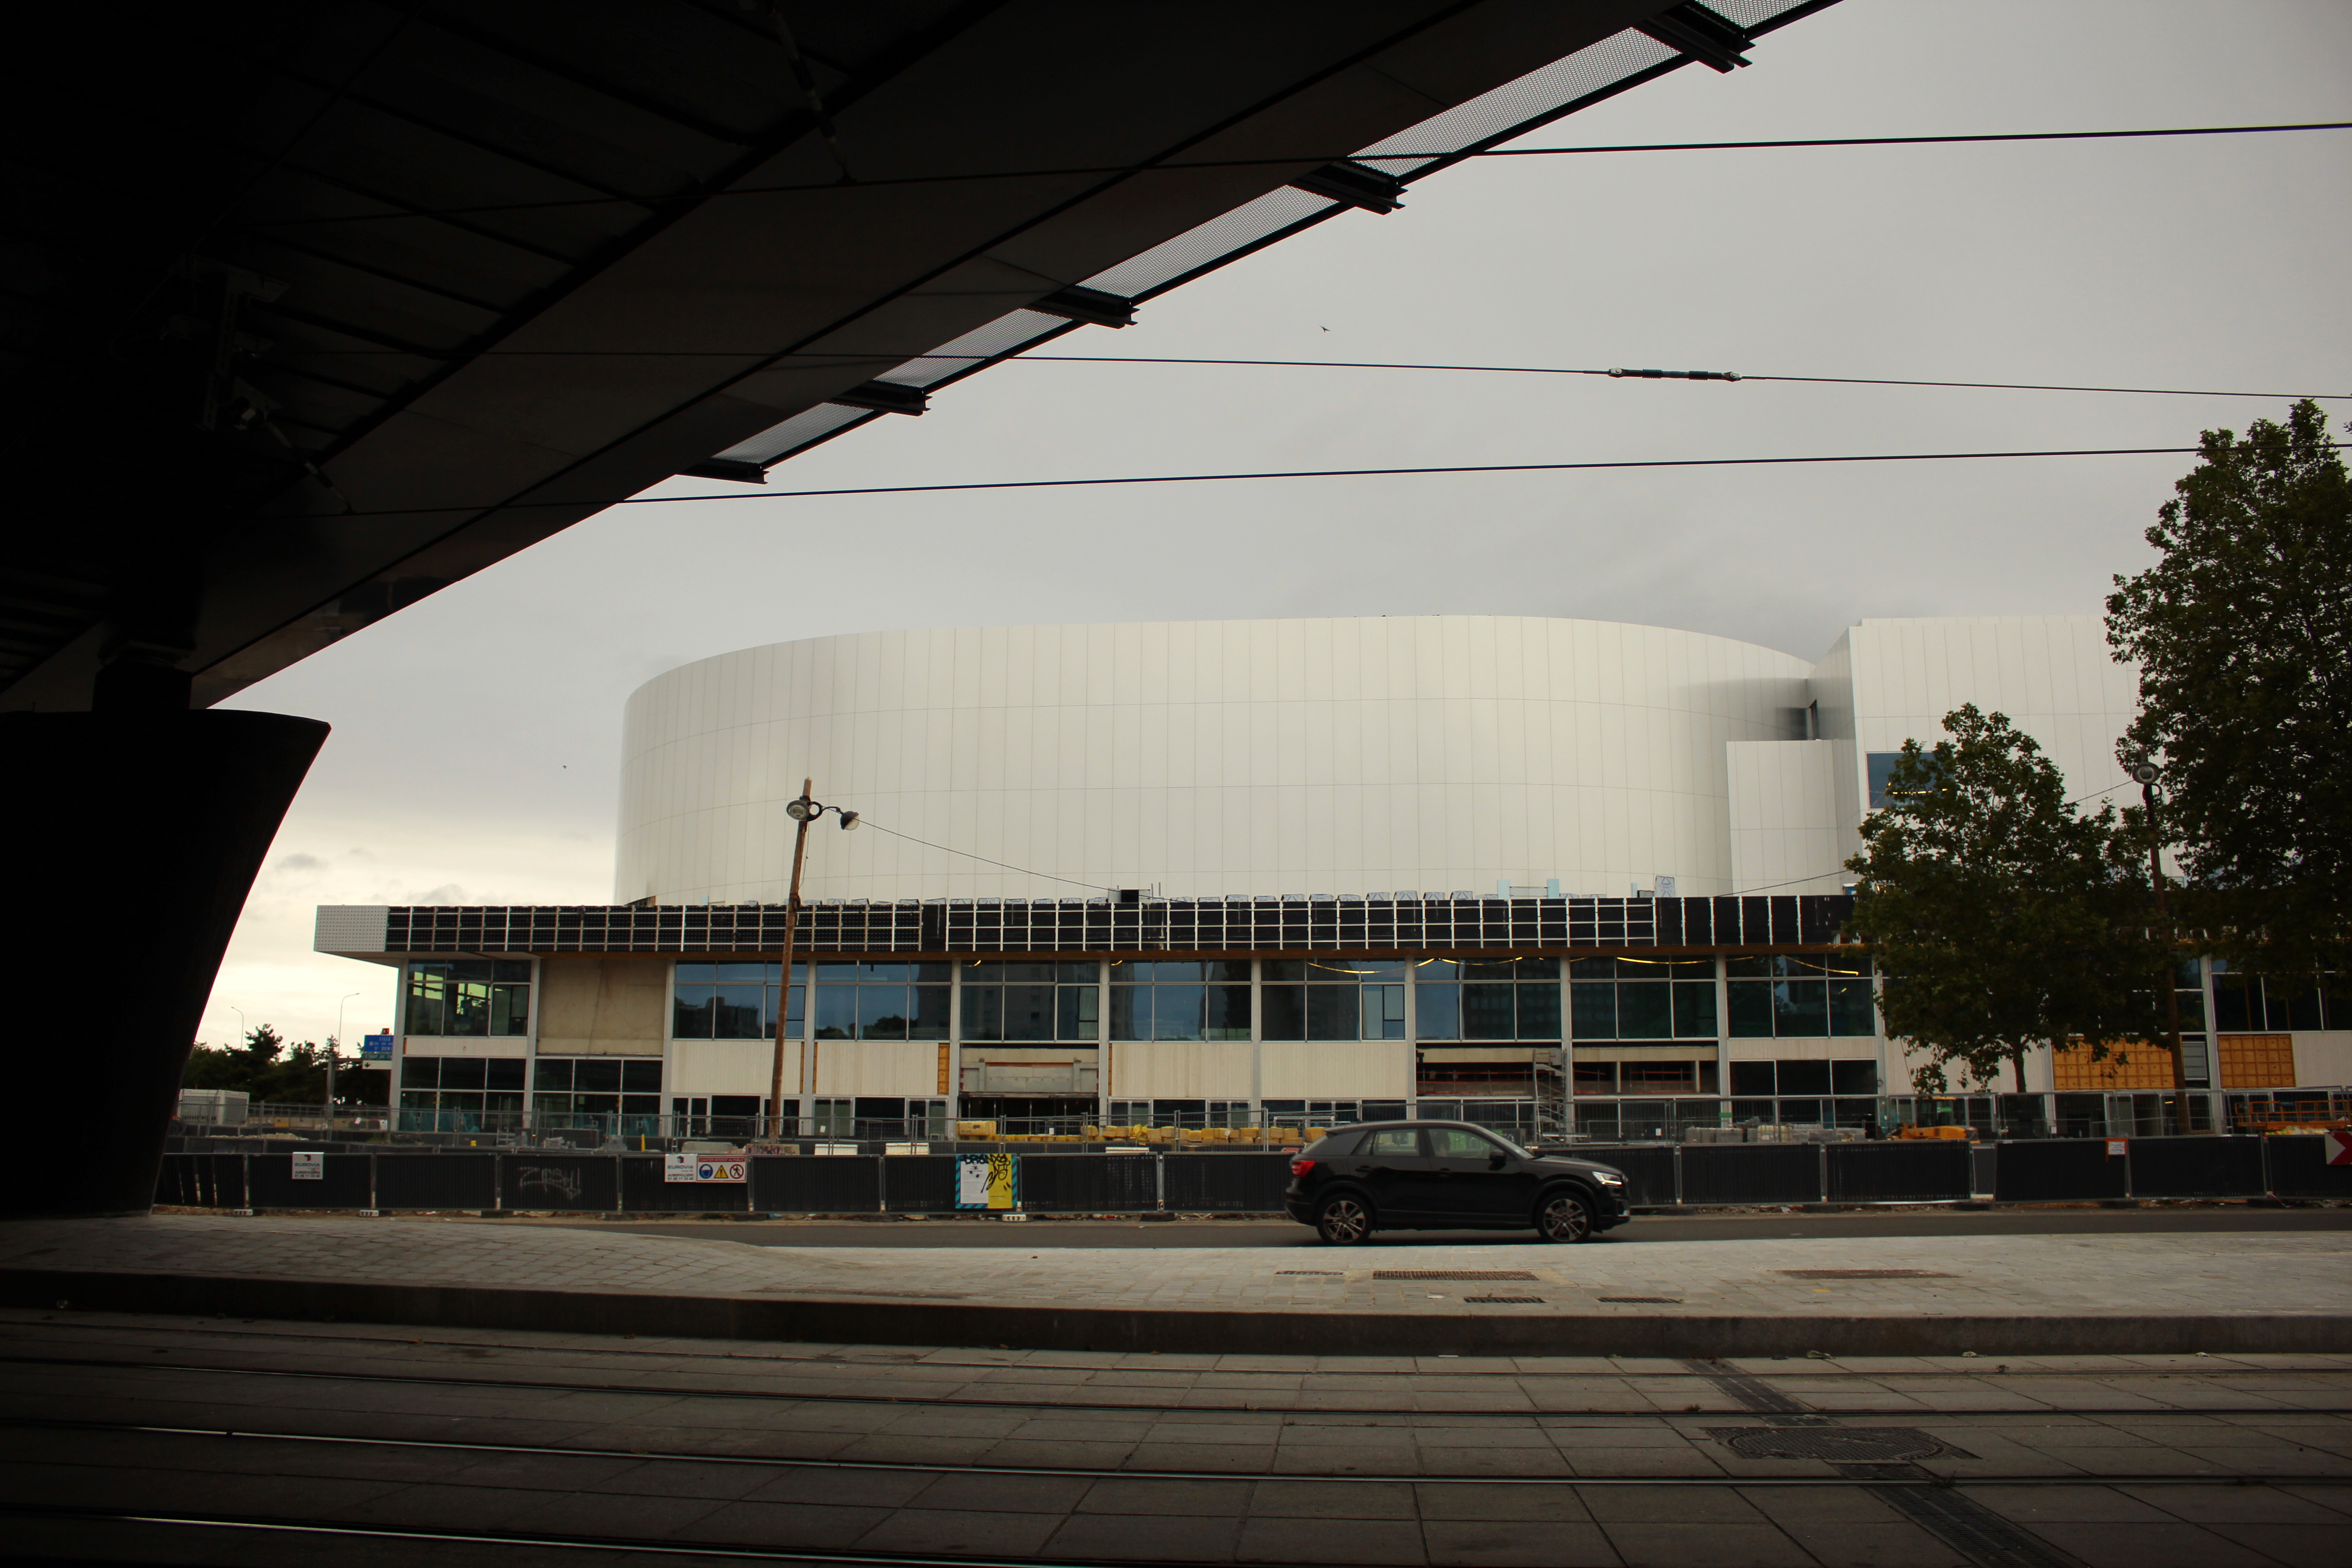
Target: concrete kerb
{"points": [[850, 1319]]}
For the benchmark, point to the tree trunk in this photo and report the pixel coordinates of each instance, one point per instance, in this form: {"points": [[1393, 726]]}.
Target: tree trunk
{"points": [[2018, 1063]]}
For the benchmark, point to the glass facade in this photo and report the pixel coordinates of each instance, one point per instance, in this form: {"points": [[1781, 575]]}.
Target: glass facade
{"points": [[2255, 1003], [883, 1001], [613, 1094], [1014, 1002], [1642, 998], [1487, 999], [1789, 996], [458, 998], [732, 1001], [460, 1094], [1194, 999], [1335, 998]]}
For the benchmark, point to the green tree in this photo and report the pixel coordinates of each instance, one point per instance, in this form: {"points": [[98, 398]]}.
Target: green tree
{"points": [[2242, 633], [2001, 917]]}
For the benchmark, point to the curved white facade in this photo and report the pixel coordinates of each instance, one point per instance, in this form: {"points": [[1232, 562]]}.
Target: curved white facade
{"points": [[1365, 755]]}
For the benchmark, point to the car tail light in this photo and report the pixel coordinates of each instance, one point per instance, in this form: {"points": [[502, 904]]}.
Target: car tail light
{"points": [[1298, 1169]]}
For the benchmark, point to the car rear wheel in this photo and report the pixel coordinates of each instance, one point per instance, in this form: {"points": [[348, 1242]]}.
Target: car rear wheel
{"points": [[1343, 1222], [1564, 1217]]}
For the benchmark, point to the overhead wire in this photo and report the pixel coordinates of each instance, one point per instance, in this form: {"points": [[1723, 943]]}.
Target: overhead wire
{"points": [[1368, 158], [864, 821], [756, 494]]}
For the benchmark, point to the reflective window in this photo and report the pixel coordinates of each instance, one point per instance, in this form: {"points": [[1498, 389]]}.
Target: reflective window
{"points": [[1153, 1000], [1487, 999], [469, 997], [1642, 998], [882, 1001], [1030, 1001], [1336, 998], [1800, 996], [461, 1094], [732, 1001]]}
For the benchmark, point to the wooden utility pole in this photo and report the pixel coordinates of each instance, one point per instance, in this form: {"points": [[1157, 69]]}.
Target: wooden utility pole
{"points": [[785, 978]]}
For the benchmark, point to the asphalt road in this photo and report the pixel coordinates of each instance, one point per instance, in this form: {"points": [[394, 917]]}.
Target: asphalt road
{"points": [[1035, 1233]]}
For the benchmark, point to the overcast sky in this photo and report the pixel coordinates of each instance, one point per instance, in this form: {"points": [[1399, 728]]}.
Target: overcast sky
{"points": [[477, 735]]}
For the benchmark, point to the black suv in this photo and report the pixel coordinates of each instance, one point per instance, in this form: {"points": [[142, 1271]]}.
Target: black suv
{"points": [[1446, 1175]]}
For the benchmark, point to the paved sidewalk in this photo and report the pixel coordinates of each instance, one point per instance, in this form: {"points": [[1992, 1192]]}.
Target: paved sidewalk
{"points": [[1884, 1295]]}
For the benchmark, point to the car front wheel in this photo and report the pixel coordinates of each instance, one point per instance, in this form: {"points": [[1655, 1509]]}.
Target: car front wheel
{"points": [[1564, 1217], [1343, 1222]]}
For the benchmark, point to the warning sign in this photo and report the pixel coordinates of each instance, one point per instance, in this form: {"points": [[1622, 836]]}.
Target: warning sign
{"points": [[311, 1167], [706, 1167], [987, 1182], [2340, 1148]]}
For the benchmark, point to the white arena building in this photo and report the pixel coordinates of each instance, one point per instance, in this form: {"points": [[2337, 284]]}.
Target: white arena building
{"points": [[1446, 754], [1543, 874]]}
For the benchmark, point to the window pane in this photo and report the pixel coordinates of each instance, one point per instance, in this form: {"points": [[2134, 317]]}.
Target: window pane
{"points": [[2233, 1009], [469, 1007], [1077, 1010], [1854, 1078], [1594, 1007], [1694, 1009], [1644, 1012], [983, 1011], [1747, 968], [1283, 968], [1332, 1013], [1177, 1012], [1393, 1143], [1850, 1008], [692, 1010], [551, 1109], [1490, 969], [1751, 1009], [424, 1014], [1488, 1013], [836, 1009], [1438, 1010], [1593, 969], [738, 1009], [1384, 1011], [600, 1075], [936, 972], [505, 1073], [420, 1072], [1801, 1008], [1459, 1143], [689, 974], [737, 973], [1169, 969], [1028, 1012], [885, 974], [929, 1021], [882, 1011], [1130, 1012], [1751, 1078], [1086, 974], [1286, 1012], [1805, 1077], [1540, 1010], [509, 1010], [641, 1076], [1229, 1012], [1226, 971], [1437, 969], [2192, 1011]]}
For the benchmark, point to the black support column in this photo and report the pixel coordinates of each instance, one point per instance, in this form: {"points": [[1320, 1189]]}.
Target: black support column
{"points": [[132, 838]]}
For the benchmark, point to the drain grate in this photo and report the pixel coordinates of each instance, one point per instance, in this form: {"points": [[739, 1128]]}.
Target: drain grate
{"points": [[1838, 1445], [1862, 1274], [1516, 1301], [1451, 1274], [1646, 1300]]}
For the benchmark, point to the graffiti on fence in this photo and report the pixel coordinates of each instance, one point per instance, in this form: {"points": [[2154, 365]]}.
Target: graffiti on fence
{"points": [[548, 1179]]}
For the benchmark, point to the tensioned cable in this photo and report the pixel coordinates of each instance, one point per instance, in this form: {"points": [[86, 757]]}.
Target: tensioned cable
{"points": [[864, 821], [818, 357], [1444, 156], [762, 494]]}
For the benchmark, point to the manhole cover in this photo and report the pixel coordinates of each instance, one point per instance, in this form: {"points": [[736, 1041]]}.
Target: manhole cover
{"points": [[1646, 1300], [1451, 1274], [1862, 1274], [1839, 1445], [1520, 1300]]}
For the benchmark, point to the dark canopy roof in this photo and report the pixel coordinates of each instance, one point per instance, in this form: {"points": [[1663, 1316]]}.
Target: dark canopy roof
{"points": [[317, 307]]}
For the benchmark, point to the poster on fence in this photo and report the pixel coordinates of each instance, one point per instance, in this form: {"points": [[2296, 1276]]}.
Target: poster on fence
{"points": [[987, 1182], [705, 1167], [310, 1167]]}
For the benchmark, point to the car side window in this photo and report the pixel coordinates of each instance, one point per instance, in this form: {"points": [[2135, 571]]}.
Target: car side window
{"points": [[1394, 1142], [1459, 1143]]}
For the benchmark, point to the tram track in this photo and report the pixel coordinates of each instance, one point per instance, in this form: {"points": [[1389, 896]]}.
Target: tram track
{"points": [[1896, 1475], [1130, 1407]]}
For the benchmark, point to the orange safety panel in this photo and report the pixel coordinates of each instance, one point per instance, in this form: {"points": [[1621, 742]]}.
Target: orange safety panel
{"points": [[2126, 1067], [2256, 1061]]}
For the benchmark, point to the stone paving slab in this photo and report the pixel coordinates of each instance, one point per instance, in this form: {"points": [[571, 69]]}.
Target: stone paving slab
{"points": [[2010, 1295]]}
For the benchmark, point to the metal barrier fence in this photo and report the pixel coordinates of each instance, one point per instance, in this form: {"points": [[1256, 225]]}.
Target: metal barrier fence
{"points": [[1148, 1180]]}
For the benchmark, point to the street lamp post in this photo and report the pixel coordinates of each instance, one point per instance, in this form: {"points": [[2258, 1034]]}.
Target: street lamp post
{"points": [[333, 1046], [2147, 773], [802, 812]]}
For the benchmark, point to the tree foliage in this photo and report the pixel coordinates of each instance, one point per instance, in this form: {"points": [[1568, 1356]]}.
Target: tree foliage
{"points": [[2002, 916], [2242, 632], [267, 1067]]}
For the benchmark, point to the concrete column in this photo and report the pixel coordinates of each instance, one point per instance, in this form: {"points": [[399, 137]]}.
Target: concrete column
{"points": [[149, 822]]}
